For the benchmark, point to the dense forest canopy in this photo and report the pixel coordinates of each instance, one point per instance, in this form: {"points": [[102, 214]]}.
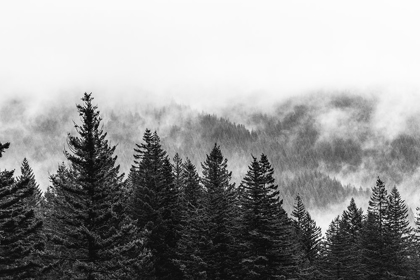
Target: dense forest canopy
{"points": [[223, 140], [168, 219], [339, 138]]}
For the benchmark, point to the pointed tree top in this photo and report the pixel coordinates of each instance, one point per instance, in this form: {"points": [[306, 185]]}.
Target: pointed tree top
{"points": [[264, 158], [87, 99], [177, 158], [156, 137], [352, 205], [299, 212], [216, 153], [187, 162], [395, 191], [25, 163], [147, 136], [26, 168]]}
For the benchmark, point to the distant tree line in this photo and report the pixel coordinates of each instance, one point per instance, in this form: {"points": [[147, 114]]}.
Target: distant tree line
{"points": [[165, 221]]}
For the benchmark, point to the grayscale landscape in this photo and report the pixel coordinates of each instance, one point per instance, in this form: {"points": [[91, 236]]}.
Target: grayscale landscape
{"points": [[209, 140]]}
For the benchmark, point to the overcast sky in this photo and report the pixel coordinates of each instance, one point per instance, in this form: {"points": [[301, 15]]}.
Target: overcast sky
{"points": [[196, 51]]}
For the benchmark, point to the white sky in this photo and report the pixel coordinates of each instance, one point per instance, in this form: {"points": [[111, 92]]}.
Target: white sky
{"points": [[196, 51]]}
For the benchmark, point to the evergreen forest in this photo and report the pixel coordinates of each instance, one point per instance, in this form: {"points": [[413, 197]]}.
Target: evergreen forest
{"points": [[170, 218]]}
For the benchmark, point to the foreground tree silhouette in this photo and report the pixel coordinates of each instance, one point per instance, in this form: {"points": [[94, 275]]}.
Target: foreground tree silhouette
{"points": [[342, 251], [192, 243], [267, 246], [37, 200], [374, 235], [21, 241], [220, 218], [155, 204], [91, 233], [351, 228], [399, 232], [309, 236], [332, 253]]}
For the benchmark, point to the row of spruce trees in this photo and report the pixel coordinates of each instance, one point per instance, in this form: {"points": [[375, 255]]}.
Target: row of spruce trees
{"points": [[164, 221]]}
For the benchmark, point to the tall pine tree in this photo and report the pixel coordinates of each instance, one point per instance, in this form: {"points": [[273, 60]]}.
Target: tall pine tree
{"points": [[27, 173], [93, 236], [21, 239], [192, 190], [193, 242], [332, 251], [309, 237], [155, 204], [177, 169], [398, 237], [351, 227], [267, 247], [374, 255], [221, 213], [343, 257]]}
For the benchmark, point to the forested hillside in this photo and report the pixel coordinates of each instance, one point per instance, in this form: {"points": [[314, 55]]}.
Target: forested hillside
{"points": [[170, 218], [336, 137], [343, 138]]}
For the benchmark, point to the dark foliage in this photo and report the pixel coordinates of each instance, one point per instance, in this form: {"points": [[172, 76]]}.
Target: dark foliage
{"points": [[342, 251], [21, 242], [308, 236], [220, 218], [91, 234], [155, 204], [267, 244], [164, 221]]}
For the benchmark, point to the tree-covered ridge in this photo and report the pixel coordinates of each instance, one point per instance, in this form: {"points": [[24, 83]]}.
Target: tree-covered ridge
{"points": [[342, 135], [318, 190], [169, 219]]}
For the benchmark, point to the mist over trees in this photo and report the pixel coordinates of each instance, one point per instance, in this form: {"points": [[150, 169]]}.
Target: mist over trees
{"points": [[170, 218], [341, 136]]}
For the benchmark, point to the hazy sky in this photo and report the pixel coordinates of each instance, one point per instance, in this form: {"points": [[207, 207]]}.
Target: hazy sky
{"points": [[208, 53], [196, 51]]}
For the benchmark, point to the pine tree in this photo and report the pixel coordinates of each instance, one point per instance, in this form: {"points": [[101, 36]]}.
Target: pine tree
{"points": [[332, 251], [91, 233], [343, 245], [20, 230], [221, 214], [267, 248], [351, 228], [309, 237], [398, 235], [177, 168], [59, 265], [37, 201], [192, 243], [155, 204], [172, 215], [299, 214], [374, 257], [192, 191]]}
